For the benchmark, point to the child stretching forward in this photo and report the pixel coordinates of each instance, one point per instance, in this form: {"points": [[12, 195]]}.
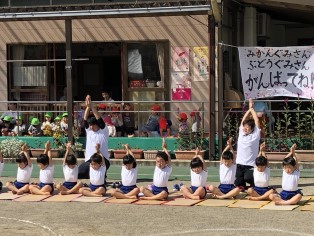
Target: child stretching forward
{"points": [[261, 173], [70, 172], [44, 162], [198, 179], [24, 172], [97, 171], [290, 193], [161, 175], [128, 177], [227, 172]]}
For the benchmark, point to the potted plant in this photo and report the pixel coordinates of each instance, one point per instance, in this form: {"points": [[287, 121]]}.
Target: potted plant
{"points": [[59, 142], [10, 148], [78, 149], [120, 152]]}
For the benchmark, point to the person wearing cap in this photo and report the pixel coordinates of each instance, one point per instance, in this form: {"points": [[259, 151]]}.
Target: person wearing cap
{"points": [[7, 126], [152, 121], [12, 112], [196, 120], [128, 121], [64, 123], [56, 126], [111, 127], [183, 127], [19, 128], [47, 123], [34, 129], [97, 133]]}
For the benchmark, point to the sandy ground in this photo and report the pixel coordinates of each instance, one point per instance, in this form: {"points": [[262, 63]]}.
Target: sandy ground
{"points": [[75, 218]]}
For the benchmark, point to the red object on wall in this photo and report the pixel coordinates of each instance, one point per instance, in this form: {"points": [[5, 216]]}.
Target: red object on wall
{"points": [[181, 94]]}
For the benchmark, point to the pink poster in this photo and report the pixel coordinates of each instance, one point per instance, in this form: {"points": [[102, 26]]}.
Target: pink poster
{"points": [[180, 58], [181, 86]]}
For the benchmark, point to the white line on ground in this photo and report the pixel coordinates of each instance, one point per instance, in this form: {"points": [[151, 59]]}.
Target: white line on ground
{"points": [[32, 223], [233, 230]]}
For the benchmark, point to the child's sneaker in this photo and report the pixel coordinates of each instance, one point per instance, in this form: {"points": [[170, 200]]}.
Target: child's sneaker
{"points": [[113, 185], [176, 187]]}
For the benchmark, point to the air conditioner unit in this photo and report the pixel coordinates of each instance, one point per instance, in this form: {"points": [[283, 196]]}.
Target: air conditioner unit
{"points": [[262, 25]]}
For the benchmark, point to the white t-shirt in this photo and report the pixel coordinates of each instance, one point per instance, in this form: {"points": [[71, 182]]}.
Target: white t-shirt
{"points": [[161, 176], [227, 174], [70, 175], [128, 177], [198, 180], [290, 181], [46, 175], [24, 175], [248, 147], [1, 167], [101, 136], [261, 179], [97, 177]]}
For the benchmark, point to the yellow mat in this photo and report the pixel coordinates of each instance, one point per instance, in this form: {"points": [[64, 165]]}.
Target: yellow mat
{"points": [[309, 206], [272, 206], [89, 199], [62, 198], [149, 202], [31, 198], [182, 202], [9, 196], [216, 202], [248, 204], [174, 195], [120, 201]]}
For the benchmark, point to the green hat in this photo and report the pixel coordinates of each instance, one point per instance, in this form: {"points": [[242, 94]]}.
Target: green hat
{"points": [[48, 114], [57, 118], [19, 117], [7, 118], [64, 114], [35, 121], [30, 118]]}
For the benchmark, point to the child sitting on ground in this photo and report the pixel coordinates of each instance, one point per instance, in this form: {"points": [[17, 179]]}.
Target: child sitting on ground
{"points": [[261, 173], [290, 193], [110, 126], [19, 128], [198, 179], [64, 123], [45, 164], [128, 177], [128, 121], [70, 172], [7, 126], [196, 120], [227, 172], [152, 121], [162, 172], [97, 171], [183, 127], [34, 129], [24, 172]]}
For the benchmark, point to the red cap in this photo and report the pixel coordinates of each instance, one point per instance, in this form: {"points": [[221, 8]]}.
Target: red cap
{"points": [[192, 113], [162, 123], [183, 116], [108, 120], [156, 108], [115, 109], [102, 106]]}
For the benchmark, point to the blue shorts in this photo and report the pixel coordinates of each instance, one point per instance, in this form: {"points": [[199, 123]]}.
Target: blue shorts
{"points": [[193, 188], [41, 185], [18, 184], [69, 185], [226, 188], [127, 189], [286, 195], [261, 190], [94, 187], [157, 190]]}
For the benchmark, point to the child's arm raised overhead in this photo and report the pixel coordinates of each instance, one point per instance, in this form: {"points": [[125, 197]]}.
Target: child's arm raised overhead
{"points": [[164, 149], [227, 148], [262, 148], [25, 151], [48, 151], [88, 107], [197, 154], [292, 151], [67, 151], [97, 147], [253, 112], [128, 150]]}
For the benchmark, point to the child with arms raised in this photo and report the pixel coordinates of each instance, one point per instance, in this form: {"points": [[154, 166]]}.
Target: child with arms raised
{"points": [[44, 162], [227, 172], [128, 177], [24, 172], [198, 179], [261, 173], [70, 172], [161, 175], [97, 171], [290, 193]]}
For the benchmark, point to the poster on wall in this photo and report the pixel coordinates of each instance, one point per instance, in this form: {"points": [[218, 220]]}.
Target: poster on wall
{"points": [[277, 71], [181, 86], [200, 63], [180, 59]]}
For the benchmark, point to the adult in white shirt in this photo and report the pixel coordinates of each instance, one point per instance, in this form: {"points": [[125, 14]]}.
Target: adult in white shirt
{"points": [[248, 147], [96, 133]]}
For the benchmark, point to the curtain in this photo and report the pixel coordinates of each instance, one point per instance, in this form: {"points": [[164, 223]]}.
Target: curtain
{"points": [[18, 54], [161, 63]]}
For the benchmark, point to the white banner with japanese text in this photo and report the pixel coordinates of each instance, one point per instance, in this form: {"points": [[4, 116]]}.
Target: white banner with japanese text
{"points": [[277, 71]]}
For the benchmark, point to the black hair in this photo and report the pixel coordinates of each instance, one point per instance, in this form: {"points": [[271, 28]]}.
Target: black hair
{"points": [[261, 161], [249, 122], [92, 120], [289, 161], [129, 159], [70, 160], [163, 155], [43, 159], [227, 155], [196, 162], [21, 158], [96, 158]]}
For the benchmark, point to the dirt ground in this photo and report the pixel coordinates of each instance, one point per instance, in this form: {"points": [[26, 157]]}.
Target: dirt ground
{"points": [[76, 218]]}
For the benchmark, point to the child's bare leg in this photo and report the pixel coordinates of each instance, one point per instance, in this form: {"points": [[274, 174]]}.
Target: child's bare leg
{"points": [[24, 189], [133, 193], [11, 187], [214, 190], [62, 190], [76, 188], [187, 192], [199, 193], [146, 192], [265, 196], [99, 192], [34, 189], [160, 196], [294, 200], [231, 194], [119, 195]]}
